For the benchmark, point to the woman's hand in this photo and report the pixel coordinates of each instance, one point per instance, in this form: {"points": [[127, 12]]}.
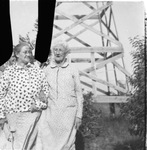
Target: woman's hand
{"points": [[38, 104], [2, 121], [42, 97], [33, 108], [78, 122]]}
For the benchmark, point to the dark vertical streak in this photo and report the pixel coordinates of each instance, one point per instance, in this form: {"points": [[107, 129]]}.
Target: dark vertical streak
{"points": [[6, 43], [45, 25]]}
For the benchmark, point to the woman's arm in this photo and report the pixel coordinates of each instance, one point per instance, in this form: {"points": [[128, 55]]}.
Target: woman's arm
{"points": [[42, 100], [4, 84], [79, 95], [78, 91]]}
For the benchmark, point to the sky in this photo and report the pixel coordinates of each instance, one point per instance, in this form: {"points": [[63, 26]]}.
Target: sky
{"points": [[23, 15], [129, 18]]}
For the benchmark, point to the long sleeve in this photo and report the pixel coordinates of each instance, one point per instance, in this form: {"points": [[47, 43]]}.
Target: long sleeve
{"points": [[4, 83], [44, 94], [79, 94], [45, 87]]}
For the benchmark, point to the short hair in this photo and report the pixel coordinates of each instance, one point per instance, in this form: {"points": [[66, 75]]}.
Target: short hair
{"points": [[62, 43], [18, 48]]}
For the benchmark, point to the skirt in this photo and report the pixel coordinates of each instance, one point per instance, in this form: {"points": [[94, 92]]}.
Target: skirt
{"points": [[21, 130], [57, 129]]}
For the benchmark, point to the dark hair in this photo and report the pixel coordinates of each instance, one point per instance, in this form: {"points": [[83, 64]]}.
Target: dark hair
{"points": [[18, 48]]}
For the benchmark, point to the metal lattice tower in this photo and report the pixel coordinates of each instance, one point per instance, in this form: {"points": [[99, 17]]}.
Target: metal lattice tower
{"points": [[90, 30]]}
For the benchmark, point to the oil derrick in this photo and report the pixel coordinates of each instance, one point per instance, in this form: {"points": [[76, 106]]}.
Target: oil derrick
{"points": [[90, 30]]}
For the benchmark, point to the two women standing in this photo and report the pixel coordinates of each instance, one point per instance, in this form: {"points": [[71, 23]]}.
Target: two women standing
{"points": [[59, 122]]}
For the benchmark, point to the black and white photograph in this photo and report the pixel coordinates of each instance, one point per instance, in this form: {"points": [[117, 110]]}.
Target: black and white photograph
{"points": [[73, 75]]}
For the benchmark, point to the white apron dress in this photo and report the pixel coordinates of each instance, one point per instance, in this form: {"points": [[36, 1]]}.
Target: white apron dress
{"points": [[57, 124]]}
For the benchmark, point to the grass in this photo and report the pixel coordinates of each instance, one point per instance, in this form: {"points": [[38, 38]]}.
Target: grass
{"points": [[134, 144], [114, 131], [114, 134]]}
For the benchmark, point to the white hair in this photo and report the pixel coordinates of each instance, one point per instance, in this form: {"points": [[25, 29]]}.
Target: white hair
{"points": [[62, 43]]}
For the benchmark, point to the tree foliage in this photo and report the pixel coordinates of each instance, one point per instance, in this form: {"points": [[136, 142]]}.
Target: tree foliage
{"points": [[134, 110], [90, 127]]}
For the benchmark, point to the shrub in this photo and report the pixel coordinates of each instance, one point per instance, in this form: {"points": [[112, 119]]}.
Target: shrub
{"points": [[90, 127], [134, 110], [137, 144]]}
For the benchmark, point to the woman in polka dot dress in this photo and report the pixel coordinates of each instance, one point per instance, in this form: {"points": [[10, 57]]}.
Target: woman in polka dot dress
{"points": [[20, 87], [60, 121]]}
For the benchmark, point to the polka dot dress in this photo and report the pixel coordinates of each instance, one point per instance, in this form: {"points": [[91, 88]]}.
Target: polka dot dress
{"points": [[19, 87]]}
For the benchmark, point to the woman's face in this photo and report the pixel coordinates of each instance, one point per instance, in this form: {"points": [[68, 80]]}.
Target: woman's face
{"points": [[59, 53], [24, 55]]}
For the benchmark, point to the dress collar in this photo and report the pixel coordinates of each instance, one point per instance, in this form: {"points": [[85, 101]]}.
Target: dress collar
{"points": [[54, 65], [29, 65]]}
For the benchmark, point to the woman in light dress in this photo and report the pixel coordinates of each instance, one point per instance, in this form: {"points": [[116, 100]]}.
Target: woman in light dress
{"points": [[60, 121]]}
